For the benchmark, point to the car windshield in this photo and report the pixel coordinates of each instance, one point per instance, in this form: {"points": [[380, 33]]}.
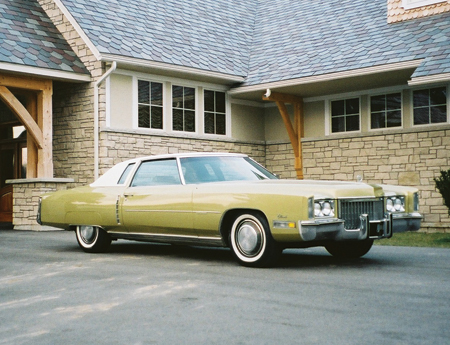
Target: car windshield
{"points": [[222, 168]]}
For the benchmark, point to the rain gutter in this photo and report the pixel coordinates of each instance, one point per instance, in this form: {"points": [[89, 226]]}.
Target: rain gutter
{"points": [[96, 117]]}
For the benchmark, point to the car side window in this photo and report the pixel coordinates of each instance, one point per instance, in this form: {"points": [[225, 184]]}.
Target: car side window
{"points": [[126, 173], [157, 173]]}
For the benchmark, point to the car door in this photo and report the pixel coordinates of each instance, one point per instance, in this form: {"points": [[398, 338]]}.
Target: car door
{"points": [[156, 202]]}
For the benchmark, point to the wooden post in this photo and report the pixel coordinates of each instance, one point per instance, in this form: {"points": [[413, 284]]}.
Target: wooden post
{"points": [[37, 119], [45, 156], [295, 131], [32, 149]]}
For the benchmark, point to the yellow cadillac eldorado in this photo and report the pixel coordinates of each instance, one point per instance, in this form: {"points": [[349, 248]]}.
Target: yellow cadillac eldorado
{"points": [[229, 200]]}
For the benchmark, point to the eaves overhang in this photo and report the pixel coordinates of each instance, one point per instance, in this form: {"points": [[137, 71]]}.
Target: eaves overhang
{"points": [[171, 70], [334, 83], [46, 73], [430, 79]]}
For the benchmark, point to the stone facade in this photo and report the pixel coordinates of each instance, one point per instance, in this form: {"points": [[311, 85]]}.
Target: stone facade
{"points": [[26, 198], [410, 158], [119, 146], [397, 13]]}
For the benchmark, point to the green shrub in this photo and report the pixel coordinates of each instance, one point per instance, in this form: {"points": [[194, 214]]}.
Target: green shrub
{"points": [[443, 186]]}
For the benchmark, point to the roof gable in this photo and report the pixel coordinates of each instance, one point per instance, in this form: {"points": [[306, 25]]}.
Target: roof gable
{"points": [[29, 38]]}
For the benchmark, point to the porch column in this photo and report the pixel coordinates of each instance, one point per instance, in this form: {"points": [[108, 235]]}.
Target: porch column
{"points": [[37, 120], [296, 130]]}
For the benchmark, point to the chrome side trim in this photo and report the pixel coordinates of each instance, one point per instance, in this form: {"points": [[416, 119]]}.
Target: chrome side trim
{"points": [[173, 211], [38, 215], [117, 210], [166, 238]]}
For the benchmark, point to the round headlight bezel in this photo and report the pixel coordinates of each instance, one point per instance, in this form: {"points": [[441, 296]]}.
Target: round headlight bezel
{"points": [[395, 204], [324, 208]]}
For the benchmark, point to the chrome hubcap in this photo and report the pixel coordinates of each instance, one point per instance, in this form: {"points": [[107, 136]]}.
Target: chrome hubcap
{"points": [[88, 234], [248, 238]]}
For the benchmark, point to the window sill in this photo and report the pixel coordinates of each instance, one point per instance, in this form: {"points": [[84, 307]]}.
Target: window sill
{"points": [[181, 135]]}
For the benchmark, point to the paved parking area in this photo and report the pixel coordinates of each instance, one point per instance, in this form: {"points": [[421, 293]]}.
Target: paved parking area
{"points": [[53, 293]]}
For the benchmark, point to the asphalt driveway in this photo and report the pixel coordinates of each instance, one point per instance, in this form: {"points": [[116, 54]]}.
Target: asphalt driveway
{"points": [[53, 293]]}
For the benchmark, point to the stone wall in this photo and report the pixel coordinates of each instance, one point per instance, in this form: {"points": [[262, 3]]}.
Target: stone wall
{"points": [[118, 146], [26, 197], [411, 158], [397, 13]]}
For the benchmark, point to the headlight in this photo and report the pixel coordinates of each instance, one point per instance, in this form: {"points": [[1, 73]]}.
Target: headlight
{"points": [[324, 208], [395, 204]]}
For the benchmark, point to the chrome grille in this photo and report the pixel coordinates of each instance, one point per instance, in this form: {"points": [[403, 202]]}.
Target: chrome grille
{"points": [[350, 210]]}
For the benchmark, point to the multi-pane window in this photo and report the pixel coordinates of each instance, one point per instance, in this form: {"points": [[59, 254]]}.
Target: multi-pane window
{"points": [[214, 107], [386, 111], [430, 105], [183, 108], [150, 105], [345, 115]]}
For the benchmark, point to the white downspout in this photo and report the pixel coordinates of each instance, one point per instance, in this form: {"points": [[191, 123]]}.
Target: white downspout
{"points": [[96, 117]]}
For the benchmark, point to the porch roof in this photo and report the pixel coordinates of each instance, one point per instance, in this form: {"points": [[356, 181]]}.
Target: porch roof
{"points": [[30, 42]]}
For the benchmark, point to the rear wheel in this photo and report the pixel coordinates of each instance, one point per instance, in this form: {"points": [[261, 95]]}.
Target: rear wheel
{"points": [[92, 239], [252, 242], [349, 250]]}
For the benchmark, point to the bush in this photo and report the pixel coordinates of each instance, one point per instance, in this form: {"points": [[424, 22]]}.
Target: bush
{"points": [[443, 186]]}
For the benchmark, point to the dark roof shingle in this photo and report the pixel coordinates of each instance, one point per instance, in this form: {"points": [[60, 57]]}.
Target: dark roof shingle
{"points": [[261, 40], [28, 37], [208, 35], [327, 36]]}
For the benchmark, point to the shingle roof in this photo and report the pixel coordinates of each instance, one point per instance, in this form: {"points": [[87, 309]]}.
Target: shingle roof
{"points": [[264, 41], [298, 38], [28, 37], [213, 35]]}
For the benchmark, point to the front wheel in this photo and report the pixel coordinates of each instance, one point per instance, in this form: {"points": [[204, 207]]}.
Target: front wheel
{"points": [[349, 250], [252, 242], [92, 239]]}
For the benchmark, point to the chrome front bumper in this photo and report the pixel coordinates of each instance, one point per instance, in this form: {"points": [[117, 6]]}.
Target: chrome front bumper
{"points": [[333, 229]]}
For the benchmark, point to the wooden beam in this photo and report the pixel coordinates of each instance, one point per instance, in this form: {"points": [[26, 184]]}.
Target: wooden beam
{"points": [[298, 115], [282, 97], [296, 130], [24, 116], [28, 83], [288, 124], [32, 149]]}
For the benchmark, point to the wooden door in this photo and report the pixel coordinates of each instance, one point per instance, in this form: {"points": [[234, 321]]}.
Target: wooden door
{"points": [[13, 160]]}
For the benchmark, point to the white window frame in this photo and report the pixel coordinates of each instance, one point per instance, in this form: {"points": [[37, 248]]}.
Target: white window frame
{"points": [[135, 111], [410, 4], [227, 117], [328, 109], [170, 96], [136, 104], [369, 110], [411, 105], [167, 106]]}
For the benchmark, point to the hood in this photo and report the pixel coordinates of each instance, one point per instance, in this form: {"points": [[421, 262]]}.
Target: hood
{"points": [[329, 189]]}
